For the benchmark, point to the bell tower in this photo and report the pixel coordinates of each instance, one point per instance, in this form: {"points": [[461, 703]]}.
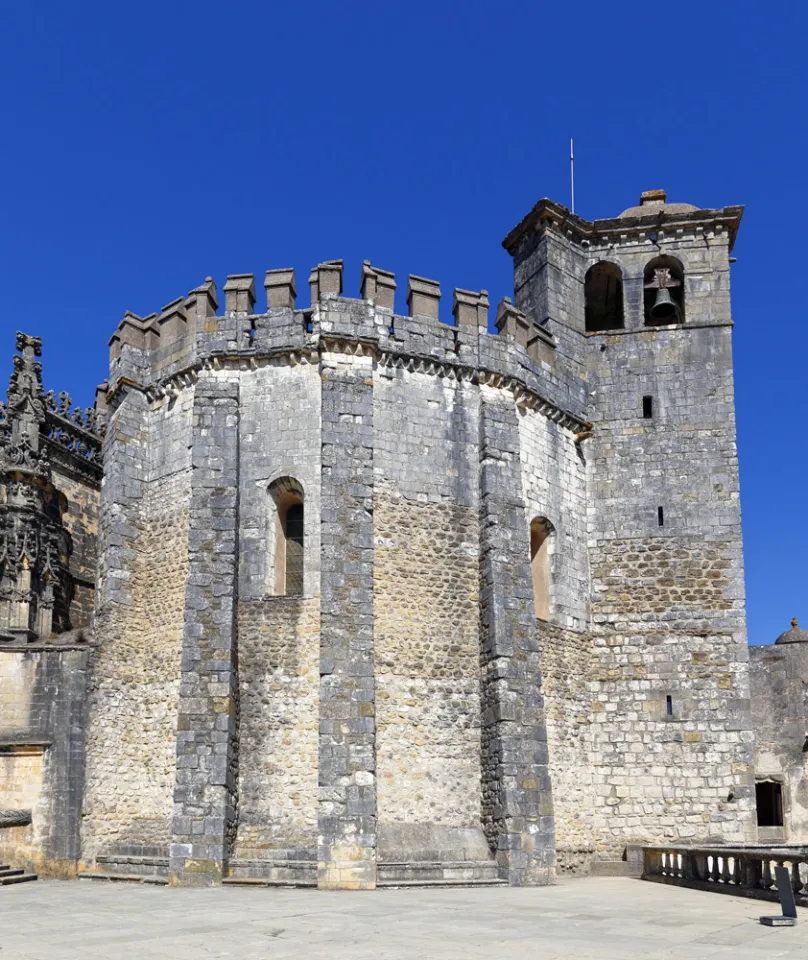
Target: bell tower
{"points": [[640, 308]]}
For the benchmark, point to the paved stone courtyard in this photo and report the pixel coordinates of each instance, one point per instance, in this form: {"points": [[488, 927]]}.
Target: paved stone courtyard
{"points": [[582, 919]]}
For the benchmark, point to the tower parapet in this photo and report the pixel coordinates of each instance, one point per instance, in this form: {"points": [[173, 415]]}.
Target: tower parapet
{"points": [[147, 352]]}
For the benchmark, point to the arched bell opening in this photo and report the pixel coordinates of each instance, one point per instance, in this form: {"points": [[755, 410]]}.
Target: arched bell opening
{"points": [[664, 291], [603, 297]]}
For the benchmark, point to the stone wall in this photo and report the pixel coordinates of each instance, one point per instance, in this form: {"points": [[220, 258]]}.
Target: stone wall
{"points": [[667, 592], [131, 754], [42, 729], [347, 746], [567, 671], [207, 740], [279, 658], [426, 631], [779, 680], [279, 637]]}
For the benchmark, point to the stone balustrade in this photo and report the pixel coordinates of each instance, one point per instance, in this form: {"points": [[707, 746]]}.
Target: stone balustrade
{"points": [[742, 871]]}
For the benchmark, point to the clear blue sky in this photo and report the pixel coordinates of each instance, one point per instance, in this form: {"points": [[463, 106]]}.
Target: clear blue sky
{"points": [[150, 144]]}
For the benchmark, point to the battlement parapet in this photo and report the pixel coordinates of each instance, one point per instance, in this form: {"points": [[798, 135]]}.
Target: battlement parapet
{"points": [[423, 297], [470, 310], [239, 294], [378, 285], [187, 331], [203, 301], [281, 289], [536, 339], [326, 278]]}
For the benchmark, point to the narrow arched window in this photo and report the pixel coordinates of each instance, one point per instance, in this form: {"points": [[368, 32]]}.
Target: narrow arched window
{"points": [[541, 531], [288, 538], [603, 297], [664, 291], [293, 528]]}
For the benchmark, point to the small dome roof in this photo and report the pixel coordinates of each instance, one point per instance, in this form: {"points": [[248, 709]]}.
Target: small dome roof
{"points": [[654, 202], [794, 635], [655, 207]]}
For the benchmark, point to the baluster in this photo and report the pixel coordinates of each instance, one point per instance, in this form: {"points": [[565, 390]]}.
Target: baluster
{"points": [[766, 880], [754, 873], [796, 880], [680, 865], [700, 871], [712, 861]]}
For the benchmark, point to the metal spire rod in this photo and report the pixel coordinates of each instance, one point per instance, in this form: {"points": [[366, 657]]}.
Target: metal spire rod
{"points": [[572, 177]]}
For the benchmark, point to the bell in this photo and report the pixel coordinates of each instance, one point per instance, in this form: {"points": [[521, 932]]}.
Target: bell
{"points": [[664, 309]]}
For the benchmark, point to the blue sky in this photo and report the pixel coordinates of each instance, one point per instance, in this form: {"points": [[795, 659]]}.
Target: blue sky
{"points": [[148, 145]]}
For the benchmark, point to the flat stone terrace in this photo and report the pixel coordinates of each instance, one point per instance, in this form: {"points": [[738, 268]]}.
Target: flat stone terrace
{"points": [[614, 919]]}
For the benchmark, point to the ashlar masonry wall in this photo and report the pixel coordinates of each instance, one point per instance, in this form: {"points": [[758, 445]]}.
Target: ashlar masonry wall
{"points": [[426, 579], [131, 751], [278, 636], [554, 484], [779, 673], [42, 730], [667, 599]]}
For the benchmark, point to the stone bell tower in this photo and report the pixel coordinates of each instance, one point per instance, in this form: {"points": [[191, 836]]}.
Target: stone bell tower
{"points": [[640, 306]]}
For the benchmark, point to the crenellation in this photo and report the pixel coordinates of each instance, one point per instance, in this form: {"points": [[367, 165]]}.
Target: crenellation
{"points": [[511, 322], [470, 310], [281, 289], [239, 294], [378, 285], [172, 321], [423, 297], [203, 301], [326, 279]]}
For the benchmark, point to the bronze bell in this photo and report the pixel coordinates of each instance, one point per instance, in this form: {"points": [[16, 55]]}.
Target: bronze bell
{"points": [[664, 309]]}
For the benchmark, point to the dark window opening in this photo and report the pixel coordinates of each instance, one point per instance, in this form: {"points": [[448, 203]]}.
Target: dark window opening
{"points": [[293, 529], [660, 514], [603, 297], [664, 292], [648, 407], [769, 798], [669, 705], [287, 538]]}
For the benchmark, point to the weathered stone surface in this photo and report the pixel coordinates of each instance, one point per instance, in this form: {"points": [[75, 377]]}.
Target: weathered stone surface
{"points": [[400, 703]]}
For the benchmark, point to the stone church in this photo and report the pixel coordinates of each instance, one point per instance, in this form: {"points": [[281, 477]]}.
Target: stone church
{"points": [[331, 596]]}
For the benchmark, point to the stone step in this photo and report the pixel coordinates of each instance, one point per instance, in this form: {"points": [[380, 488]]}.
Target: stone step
{"points": [[267, 882], [138, 865], [438, 871], [18, 876], [498, 882], [10, 871], [277, 872], [122, 877], [611, 868]]}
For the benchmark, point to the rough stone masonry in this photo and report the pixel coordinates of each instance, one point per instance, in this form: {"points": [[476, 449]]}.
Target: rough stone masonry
{"points": [[323, 537]]}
